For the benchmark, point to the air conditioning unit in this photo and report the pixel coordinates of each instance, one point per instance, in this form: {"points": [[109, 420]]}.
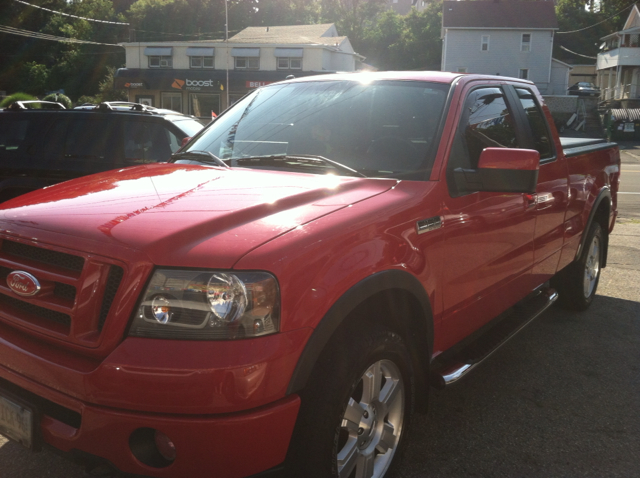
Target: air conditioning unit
{"points": [[164, 62]]}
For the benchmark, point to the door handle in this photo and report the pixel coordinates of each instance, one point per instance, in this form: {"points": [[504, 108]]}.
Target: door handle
{"points": [[530, 200]]}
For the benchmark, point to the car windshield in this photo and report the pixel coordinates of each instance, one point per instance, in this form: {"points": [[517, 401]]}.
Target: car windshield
{"points": [[382, 128]]}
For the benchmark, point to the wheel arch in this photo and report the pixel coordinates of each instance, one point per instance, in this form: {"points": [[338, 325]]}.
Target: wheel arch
{"points": [[393, 298], [601, 213]]}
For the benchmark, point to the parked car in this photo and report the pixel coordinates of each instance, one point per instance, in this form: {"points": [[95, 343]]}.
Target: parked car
{"points": [[583, 88], [35, 104], [41, 147], [283, 295]]}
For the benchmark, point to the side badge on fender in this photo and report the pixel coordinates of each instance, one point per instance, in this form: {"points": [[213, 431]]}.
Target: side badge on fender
{"points": [[431, 224]]}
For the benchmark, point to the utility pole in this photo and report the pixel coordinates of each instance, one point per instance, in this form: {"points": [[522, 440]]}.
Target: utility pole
{"points": [[226, 39]]}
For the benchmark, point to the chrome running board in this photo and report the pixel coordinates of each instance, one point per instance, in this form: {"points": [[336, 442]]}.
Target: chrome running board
{"points": [[482, 348]]}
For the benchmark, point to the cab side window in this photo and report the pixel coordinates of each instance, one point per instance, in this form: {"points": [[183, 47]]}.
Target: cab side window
{"points": [[539, 129], [486, 123]]}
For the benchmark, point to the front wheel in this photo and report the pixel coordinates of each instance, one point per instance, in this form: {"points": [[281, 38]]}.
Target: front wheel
{"points": [[577, 284], [355, 411]]}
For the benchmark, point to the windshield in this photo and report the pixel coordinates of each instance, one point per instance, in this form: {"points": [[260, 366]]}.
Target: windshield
{"points": [[383, 128]]}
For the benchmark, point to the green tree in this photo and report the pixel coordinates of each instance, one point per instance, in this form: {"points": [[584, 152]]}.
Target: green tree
{"points": [[353, 18], [581, 30], [34, 78], [411, 42]]}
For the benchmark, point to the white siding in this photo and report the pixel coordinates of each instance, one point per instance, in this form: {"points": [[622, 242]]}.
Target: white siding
{"points": [[559, 79], [315, 58], [463, 49]]}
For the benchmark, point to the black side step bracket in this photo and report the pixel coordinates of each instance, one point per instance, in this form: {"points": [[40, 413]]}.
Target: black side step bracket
{"points": [[482, 348]]}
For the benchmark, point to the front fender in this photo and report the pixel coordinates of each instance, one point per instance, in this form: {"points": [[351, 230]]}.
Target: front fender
{"points": [[388, 280]]}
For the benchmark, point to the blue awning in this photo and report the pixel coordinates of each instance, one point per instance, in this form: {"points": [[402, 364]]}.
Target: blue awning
{"points": [[288, 52], [200, 51], [158, 51], [248, 52]]}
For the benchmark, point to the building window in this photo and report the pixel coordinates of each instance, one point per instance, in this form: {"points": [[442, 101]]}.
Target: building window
{"points": [[203, 104], [524, 73], [247, 63], [160, 62], [462, 69], [201, 62], [525, 44], [289, 63], [171, 101], [201, 57], [484, 43]]}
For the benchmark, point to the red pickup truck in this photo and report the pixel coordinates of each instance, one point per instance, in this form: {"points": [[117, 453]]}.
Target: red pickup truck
{"points": [[282, 295]]}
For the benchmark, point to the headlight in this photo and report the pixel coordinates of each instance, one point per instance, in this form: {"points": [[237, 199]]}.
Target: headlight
{"points": [[208, 305]]}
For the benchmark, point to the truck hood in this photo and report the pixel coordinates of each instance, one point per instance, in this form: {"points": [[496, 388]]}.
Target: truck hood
{"points": [[181, 215]]}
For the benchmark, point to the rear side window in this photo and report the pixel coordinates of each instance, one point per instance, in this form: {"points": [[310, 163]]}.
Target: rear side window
{"points": [[147, 142], [17, 133], [539, 129], [92, 139], [486, 123], [12, 134]]}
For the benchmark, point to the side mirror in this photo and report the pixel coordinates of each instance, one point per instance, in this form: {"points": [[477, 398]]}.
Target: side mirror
{"points": [[185, 140], [504, 170]]}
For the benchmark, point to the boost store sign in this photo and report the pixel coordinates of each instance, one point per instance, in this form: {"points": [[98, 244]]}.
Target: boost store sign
{"points": [[194, 85]]}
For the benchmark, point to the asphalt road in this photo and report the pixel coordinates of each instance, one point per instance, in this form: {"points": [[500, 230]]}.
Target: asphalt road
{"points": [[629, 195], [561, 399]]}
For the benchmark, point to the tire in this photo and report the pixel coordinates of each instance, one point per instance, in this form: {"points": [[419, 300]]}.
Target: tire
{"points": [[577, 284], [355, 411]]}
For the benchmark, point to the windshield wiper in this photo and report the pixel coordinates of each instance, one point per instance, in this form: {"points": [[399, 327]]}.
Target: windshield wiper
{"points": [[201, 156], [300, 159]]}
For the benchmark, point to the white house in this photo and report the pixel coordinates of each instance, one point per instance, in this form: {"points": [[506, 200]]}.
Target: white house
{"points": [[618, 66], [503, 38], [191, 77]]}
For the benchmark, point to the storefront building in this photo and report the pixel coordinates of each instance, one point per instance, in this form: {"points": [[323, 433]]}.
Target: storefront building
{"points": [[193, 77]]}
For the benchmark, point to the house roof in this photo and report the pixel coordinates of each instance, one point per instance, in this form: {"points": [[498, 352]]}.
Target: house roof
{"points": [[298, 34], [496, 14]]}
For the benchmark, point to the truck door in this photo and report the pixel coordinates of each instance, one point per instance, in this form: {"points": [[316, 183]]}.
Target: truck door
{"points": [[552, 191], [488, 235]]}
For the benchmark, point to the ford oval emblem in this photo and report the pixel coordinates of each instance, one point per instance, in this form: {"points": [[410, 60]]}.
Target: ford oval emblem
{"points": [[23, 283]]}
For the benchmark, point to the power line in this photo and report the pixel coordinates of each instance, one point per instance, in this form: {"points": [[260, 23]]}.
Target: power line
{"points": [[579, 54], [596, 24], [69, 15], [45, 36]]}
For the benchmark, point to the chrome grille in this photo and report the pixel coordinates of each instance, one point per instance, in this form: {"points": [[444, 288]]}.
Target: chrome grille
{"points": [[76, 291], [45, 256]]}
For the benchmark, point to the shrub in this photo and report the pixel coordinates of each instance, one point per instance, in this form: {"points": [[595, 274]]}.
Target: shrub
{"points": [[9, 100], [59, 98], [87, 99]]}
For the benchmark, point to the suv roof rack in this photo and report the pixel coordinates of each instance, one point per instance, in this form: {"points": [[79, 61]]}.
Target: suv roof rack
{"points": [[110, 105], [22, 105]]}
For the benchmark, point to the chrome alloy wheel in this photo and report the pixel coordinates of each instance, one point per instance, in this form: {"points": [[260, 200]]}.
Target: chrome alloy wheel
{"points": [[591, 267], [372, 423]]}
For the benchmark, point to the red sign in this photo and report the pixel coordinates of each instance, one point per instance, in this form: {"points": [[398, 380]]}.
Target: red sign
{"points": [[257, 84]]}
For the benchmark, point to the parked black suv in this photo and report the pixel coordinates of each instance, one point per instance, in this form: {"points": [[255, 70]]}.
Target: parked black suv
{"points": [[40, 147]]}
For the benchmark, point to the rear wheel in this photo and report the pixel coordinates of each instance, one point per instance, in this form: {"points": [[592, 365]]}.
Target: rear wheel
{"points": [[578, 283], [355, 411]]}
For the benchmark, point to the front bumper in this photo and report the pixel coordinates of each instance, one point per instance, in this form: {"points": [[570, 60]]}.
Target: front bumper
{"points": [[229, 445]]}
